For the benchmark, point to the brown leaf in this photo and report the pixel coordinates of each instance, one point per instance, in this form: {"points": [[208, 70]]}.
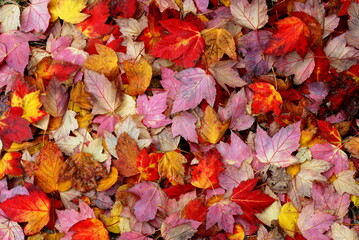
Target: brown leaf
{"points": [[352, 146], [83, 171], [127, 152]]}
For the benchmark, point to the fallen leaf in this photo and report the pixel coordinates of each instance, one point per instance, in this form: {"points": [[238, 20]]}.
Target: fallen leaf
{"points": [[67, 10], [147, 165], [35, 16], [250, 15], [9, 17], [127, 152], [90, 228], [171, 166], [10, 165], [139, 74], [288, 219], [266, 98], [342, 232]]}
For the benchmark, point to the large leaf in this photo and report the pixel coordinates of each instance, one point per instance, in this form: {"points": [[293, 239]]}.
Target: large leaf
{"points": [[35, 16], [250, 15]]}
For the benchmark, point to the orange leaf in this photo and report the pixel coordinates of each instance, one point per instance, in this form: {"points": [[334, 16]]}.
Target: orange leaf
{"points": [[10, 165], [171, 166], [147, 164], [329, 132], [212, 129], [265, 99], [205, 175], [139, 75], [127, 152], [49, 161], [89, 229], [34, 209], [107, 182], [293, 34], [183, 46]]}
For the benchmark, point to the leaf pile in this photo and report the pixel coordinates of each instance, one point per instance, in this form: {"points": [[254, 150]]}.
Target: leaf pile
{"points": [[171, 119]]}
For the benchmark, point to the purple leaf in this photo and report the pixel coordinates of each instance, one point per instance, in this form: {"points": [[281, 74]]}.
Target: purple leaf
{"points": [[317, 93], [184, 124], [7, 76]]}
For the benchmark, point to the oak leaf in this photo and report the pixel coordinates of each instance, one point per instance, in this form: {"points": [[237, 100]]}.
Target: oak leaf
{"points": [[67, 10], [139, 75], [218, 42], [83, 171], [34, 209], [183, 46], [171, 166]]}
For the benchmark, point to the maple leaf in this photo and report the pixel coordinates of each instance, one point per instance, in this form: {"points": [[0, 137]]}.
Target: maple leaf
{"points": [[342, 232], [147, 165], [288, 218], [251, 201], [35, 16], [56, 100], [171, 166], [196, 210], [293, 34], [345, 183], [150, 199], [14, 128], [34, 209], [205, 174], [352, 25], [67, 10], [90, 228], [49, 162], [106, 61], [10, 230], [10, 165], [95, 25], [106, 97], [218, 42], [127, 152], [250, 15], [277, 150], [9, 17], [183, 46], [222, 213], [153, 110], [169, 82], [212, 129], [139, 74], [196, 86], [265, 98], [176, 228], [232, 176], [82, 170], [184, 124]]}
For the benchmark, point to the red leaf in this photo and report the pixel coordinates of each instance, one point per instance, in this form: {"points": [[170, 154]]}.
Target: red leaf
{"points": [[90, 229], [250, 201], [147, 165], [183, 46]]}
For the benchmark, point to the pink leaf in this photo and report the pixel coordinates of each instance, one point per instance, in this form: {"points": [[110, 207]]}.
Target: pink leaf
{"points": [[68, 218], [232, 176], [18, 49], [250, 15], [332, 154], [169, 82], [150, 200], [313, 225], [277, 150], [222, 213], [55, 46], [236, 152], [317, 93], [152, 110], [175, 227], [196, 86], [133, 236], [36, 16], [105, 94], [236, 111], [2, 52], [9, 230], [184, 124], [72, 55], [6, 194], [107, 122], [7, 76]]}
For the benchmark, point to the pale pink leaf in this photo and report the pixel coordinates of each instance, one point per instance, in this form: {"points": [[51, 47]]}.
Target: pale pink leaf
{"points": [[345, 183], [277, 150], [331, 22], [292, 63], [169, 82], [184, 124], [6, 194], [2, 52], [313, 225], [105, 94], [9, 17], [56, 99], [67, 218], [222, 213], [10, 230], [56, 45], [18, 49], [202, 5], [333, 155], [236, 111], [250, 15], [351, 36], [72, 55], [177, 228], [236, 152], [153, 109], [141, 227], [326, 199], [133, 236], [342, 232], [225, 74], [150, 199], [232, 176], [341, 56], [7, 77], [196, 86], [35, 16], [107, 123]]}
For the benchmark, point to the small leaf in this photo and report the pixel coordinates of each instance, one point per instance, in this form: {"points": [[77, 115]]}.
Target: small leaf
{"points": [[139, 75], [90, 229], [171, 166], [67, 10], [250, 15], [266, 98]]}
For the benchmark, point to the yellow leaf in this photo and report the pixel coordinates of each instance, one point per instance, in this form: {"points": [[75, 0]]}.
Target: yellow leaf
{"points": [[31, 104], [212, 129], [67, 10], [139, 75], [64, 186], [104, 62], [54, 236], [49, 161], [288, 219], [171, 166], [80, 97], [218, 42], [107, 182], [355, 200], [112, 221]]}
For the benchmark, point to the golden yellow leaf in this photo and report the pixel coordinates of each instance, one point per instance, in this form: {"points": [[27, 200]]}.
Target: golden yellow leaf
{"points": [[49, 162], [84, 119], [218, 42], [171, 166], [139, 76], [54, 236], [355, 200], [67, 10], [80, 97], [111, 221], [106, 61], [31, 104], [107, 182], [212, 129], [288, 219]]}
